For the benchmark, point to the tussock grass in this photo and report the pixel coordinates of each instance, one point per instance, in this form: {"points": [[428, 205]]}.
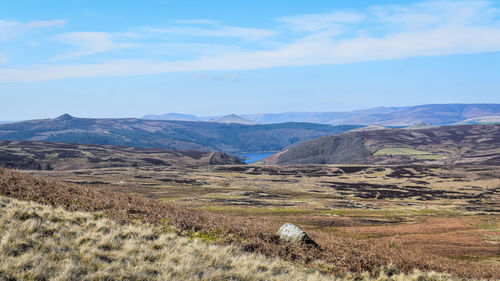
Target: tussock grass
{"points": [[43, 243], [337, 256]]}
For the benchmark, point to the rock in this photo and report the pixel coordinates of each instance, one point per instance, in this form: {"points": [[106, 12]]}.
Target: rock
{"points": [[292, 233]]}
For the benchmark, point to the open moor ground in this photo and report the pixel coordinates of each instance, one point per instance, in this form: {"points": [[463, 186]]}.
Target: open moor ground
{"points": [[347, 233]]}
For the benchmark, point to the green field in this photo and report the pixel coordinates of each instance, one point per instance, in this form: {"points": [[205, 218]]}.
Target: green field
{"points": [[404, 151]]}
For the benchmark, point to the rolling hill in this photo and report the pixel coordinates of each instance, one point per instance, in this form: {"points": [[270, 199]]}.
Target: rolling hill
{"points": [[174, 135], [466, 144], [34, 155]]}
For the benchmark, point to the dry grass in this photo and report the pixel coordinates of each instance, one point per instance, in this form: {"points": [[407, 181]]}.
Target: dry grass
{"points": [[338, 255], [42, 243]]}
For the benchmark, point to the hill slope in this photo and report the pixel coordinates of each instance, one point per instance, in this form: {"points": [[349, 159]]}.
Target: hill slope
{"points": [[63, 156], [478, 144], [52, 244], [175, 135]]}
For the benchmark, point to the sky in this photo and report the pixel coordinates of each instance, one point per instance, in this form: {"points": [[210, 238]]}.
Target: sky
{"points": [[94, 58]]}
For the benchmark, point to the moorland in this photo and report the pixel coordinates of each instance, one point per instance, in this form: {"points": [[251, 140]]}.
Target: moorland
{"points": [[403, 214], [449, 145]]}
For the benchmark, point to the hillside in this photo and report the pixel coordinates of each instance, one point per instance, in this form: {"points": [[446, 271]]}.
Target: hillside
{"points": [[174, 135], [84, 246], [467, 144], [63, 156], [106, 250]]}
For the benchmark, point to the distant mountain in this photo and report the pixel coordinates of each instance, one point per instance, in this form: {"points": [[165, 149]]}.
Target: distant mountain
{"points": [[233, 119], [438, 114], [316, 117], [174, 135], [172, 116], [471, 144], [34, 155]]}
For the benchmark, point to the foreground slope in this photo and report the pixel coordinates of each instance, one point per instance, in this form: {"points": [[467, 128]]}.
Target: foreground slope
{"points": [[337, 255], [467, 144], [35, 155], [43, 243], [175, 135]]}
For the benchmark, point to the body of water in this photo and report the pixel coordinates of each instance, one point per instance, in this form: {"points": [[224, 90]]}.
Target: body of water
{"points": [[254, 157]]}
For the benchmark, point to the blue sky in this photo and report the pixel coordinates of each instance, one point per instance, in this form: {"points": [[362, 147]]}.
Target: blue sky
{"points": [[131, 58]]}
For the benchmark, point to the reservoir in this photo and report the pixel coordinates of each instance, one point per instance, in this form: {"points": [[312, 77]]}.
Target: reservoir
{"points": [[250, 158]]}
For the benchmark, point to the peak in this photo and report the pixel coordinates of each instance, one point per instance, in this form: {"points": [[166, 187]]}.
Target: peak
{"points": [[65, 117]]}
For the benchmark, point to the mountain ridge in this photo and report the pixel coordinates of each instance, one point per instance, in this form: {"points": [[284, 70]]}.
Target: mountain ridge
{"points": [[173, 135], [439, 114]]}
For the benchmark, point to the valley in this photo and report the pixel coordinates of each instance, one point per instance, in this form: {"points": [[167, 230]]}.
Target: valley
{"points": [[374, 199]]}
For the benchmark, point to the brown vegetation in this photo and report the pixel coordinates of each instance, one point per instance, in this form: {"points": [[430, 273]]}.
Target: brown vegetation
{"points": [[34, 155], [451, 145], [43, 243], [337, 254]]}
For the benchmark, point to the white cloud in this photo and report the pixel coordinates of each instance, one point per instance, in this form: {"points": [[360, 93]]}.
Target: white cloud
{"points": [[91, 43], [195, 49], [423, 29], [315, 22], [211, 29], [10, 29], [431, 14], [49, 23]]}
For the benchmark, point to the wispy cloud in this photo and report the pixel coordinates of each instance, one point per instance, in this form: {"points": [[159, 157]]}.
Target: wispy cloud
{"points": [[387, 32], [196, 49], [9, 29], [209, 28], [91, 43], [315, 22]]}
